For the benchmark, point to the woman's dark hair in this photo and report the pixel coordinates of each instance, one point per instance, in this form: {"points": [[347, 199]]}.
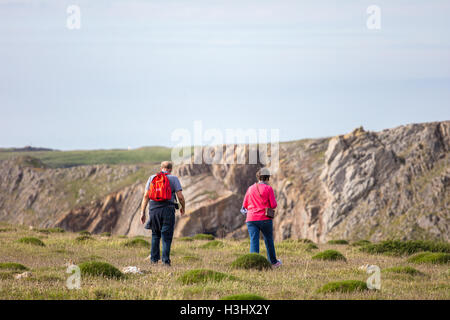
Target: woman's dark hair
{"points": [[263, 174]]}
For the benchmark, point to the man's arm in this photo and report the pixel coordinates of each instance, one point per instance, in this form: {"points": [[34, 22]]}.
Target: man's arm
{"points": [[181, 199], [144, 203], [145, 199]]}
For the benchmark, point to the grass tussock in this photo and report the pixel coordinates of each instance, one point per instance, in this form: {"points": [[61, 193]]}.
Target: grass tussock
{"points": [[404, 270], [251, 261], [330, 255], [102, 269], [105, 234], [32, 241], [84, 233], [430, 257], [244, 296], [203, 275], [137, 243], [214, 244], [361, 243], [338, 241], [203, 236], [185, 239], [311, 246], [398, 248], [345, 286], [84, 238], [13, 266]]}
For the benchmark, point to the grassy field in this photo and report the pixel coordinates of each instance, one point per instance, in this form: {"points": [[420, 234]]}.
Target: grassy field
{"points": [[62, 159], [300, 277]]}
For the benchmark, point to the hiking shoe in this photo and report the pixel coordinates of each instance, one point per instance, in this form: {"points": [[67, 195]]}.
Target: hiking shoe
{"points": [[278, 264]]}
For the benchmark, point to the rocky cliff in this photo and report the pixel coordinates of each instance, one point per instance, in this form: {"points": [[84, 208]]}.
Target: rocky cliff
{"points": [[362, 185]]}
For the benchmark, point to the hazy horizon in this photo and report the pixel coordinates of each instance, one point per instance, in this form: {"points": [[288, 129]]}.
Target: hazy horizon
{"points": [[163, 146]]}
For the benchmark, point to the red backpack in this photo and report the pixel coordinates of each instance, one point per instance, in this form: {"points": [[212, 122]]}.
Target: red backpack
{"points": [[160, 189]]}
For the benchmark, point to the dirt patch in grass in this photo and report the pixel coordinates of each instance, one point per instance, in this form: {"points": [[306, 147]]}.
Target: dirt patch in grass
{"points": [[251, 261], [331, 255], [203, 275]]}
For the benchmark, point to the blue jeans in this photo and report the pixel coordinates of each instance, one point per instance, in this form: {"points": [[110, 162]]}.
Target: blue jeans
{"points": [[266, 227], [162, 223]]}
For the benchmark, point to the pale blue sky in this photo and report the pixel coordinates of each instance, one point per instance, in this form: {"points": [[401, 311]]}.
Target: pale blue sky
{"points": [[137, 70]]}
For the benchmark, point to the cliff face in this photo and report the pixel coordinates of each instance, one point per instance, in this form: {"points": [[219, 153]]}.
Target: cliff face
{"points": [[363, 185]]}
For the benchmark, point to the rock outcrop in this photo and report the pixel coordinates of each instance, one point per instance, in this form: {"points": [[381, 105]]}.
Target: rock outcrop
{"points": [[362, 185]]}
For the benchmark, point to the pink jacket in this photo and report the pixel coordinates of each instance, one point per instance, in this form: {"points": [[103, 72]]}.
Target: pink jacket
{"points": [[256, 204]]}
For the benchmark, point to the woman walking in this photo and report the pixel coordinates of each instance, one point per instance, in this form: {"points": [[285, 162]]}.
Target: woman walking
{"points": [[258, 197]]}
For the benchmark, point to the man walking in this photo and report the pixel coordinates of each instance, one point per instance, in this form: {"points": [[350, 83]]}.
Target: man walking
{"points": [[160, 190]]}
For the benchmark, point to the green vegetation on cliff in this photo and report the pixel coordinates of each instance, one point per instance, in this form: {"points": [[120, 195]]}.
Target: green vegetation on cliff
{"points": [[65, 159]]}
